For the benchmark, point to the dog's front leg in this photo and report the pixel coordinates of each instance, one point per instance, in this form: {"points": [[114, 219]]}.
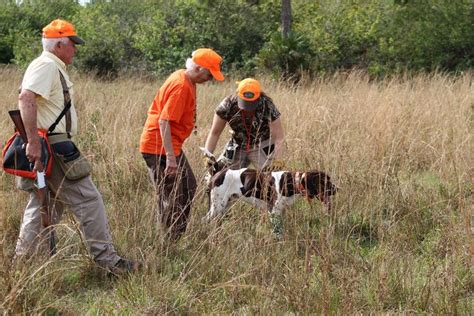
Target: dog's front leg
{"points": [[276, 220], [328, 203], [326, 200], [218, 204]]}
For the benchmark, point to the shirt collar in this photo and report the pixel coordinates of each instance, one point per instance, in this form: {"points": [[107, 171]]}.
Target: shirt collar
{"points": [[55, 58]]}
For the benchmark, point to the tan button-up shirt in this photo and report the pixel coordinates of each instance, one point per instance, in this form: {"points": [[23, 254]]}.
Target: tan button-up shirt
{"points": [[42, 78]]}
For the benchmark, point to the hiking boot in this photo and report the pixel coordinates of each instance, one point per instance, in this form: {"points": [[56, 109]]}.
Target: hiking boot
{"points": [[125, 266]]}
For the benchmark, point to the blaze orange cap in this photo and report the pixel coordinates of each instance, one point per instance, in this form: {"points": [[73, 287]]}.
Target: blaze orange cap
{"points": [[209, 59], [248, 91], [60, 28]]}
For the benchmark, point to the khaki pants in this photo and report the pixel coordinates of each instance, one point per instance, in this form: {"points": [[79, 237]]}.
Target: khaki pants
{"points": [[84, 201], [236, 158], [174, 194]]}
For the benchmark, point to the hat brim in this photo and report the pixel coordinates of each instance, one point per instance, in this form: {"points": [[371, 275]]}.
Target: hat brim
{"points": [[217, 74], [77, 40], [247, 105]]}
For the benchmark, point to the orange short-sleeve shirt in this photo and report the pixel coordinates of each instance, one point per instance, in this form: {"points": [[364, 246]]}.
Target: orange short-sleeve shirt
{"points": [[175, 102]]}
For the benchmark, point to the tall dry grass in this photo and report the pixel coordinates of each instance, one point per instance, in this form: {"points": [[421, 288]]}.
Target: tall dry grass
{"points": [[399, 238]]}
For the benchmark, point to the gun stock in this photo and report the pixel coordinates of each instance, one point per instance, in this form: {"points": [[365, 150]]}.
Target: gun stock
{"points": [[15, 115]]}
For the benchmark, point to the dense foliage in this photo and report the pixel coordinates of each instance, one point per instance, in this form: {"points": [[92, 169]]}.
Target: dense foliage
{"points": [[382, 36]]}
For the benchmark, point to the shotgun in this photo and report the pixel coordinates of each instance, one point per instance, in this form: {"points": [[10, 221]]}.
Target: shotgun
{"points": [[41, 188]]}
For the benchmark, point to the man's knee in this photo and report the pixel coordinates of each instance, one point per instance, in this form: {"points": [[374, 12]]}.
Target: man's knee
{"points": [[86, 192]]}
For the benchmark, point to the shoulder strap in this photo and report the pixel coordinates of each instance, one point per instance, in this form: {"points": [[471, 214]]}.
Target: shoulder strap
{"points": [[67, 106]]}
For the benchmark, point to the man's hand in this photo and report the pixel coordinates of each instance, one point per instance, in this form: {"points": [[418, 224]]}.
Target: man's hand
{"points": [[208, 158], [207, 162], [33, 153], [171, 165]]}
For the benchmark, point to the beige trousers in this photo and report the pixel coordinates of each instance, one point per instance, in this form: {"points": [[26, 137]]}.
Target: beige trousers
{"points": [[83, 200], [241, 158]]}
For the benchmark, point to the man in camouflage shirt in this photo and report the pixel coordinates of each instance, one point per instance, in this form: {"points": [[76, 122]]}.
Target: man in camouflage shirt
{"points": [[257, 132]]}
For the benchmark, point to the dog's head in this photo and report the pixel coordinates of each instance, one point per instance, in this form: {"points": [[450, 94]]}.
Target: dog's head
{"points": [[318, 185]]}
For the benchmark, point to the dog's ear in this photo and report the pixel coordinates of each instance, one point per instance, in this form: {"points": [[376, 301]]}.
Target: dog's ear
{"points": [[329, 188], [318, 182], [311, 182]]}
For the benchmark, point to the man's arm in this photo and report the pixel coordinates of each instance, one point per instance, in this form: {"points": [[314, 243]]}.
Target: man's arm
{"points": [[217, 127], [28, 110], [165, 131], [278, 135]]}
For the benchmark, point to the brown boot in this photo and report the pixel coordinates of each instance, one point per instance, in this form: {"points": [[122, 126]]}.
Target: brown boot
{"points": [[125, 266]]}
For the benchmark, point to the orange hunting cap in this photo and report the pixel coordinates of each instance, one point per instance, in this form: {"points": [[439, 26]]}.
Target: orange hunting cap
{"points": [[209, 59], [248, 91], [60, 28]]}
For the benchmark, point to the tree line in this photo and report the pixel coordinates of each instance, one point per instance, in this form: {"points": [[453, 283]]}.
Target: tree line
{"points": [[383, 37]]}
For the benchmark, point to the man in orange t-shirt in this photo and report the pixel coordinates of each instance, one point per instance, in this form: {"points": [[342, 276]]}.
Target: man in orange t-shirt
{"points": [[171, 119]]}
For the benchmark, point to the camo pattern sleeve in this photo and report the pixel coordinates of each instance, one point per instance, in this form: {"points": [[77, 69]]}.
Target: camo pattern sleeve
{"points": [[268, 104], [228, 108]]}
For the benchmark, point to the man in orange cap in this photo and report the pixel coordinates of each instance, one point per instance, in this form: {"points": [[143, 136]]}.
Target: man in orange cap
{"points": [[171, 119], [257, 132], [46, 102]]}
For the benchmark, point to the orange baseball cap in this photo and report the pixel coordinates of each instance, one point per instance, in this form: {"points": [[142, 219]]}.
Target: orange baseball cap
{"points": [[60, 28], [248, 91], [209, 59]]}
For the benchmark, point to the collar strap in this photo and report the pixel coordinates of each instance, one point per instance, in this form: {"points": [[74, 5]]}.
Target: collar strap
{"points": [[299, 187]]}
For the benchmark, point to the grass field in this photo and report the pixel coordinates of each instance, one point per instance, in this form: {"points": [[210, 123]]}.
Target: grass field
{"points": [[399, 239]]}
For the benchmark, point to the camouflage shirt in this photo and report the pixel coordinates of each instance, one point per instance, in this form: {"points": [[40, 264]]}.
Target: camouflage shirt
{"points": [[248, 128]]}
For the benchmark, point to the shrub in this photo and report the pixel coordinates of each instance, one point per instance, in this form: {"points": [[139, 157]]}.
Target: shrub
{"points": [[27, 21], [108, 30], [237, 30], [286, 58]]}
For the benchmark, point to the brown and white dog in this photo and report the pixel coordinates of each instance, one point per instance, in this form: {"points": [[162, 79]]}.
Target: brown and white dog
{"points": [[273, 190]]}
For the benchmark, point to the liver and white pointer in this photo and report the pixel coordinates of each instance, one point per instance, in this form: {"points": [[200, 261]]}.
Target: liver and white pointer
{"points": [[273, 190]]}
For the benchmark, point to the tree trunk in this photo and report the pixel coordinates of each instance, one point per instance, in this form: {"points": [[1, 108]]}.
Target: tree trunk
{"points": [[285, 18]]}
